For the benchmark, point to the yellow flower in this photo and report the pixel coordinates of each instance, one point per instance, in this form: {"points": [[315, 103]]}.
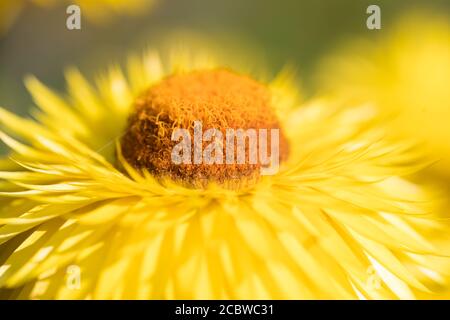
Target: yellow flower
{"points": [[98, 11], [405, 71], [337, 221]]}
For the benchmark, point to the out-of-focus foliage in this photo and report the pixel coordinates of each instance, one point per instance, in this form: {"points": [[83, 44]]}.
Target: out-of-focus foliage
{"points": [[97, 11]]}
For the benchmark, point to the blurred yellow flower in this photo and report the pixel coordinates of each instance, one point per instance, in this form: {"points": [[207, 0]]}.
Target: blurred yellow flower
{"points": [[337, 221], [406, 72], [97, 11]]}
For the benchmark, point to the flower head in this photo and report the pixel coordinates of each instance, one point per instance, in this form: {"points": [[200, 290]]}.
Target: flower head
{"points": [[407, 80], [337, 220]]}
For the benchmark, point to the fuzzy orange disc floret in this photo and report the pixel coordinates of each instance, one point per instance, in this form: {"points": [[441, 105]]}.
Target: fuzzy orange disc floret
{"points": [[219, 99]]}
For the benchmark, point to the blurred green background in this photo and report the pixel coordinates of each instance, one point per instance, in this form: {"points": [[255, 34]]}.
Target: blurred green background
{"points": [[282, 31]]}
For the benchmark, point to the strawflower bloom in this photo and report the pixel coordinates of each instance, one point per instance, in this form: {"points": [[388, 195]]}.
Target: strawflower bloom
{"points": [[92, 209], [405, 69]]}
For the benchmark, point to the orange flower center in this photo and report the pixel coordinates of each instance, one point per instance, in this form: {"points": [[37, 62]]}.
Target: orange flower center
{"points": [[217, 99]]}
